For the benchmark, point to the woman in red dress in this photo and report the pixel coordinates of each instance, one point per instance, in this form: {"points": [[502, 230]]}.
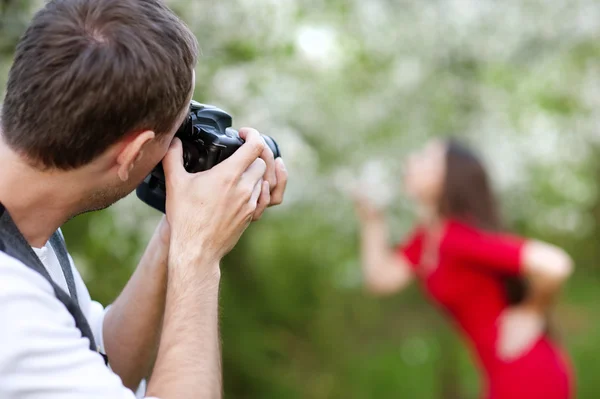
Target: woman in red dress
{"points": [[496, 287]]}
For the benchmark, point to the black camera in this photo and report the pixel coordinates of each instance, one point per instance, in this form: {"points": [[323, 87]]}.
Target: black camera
{"points": [[207, 139]]}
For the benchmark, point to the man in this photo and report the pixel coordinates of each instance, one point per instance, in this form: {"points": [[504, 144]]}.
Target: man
{"points": [[94, 98]]}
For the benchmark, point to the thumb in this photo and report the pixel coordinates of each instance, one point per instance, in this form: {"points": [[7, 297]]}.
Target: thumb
{"points": [[173, 161]]}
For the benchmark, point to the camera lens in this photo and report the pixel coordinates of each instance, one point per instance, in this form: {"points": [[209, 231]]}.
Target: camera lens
{"points": [[272, 144]]}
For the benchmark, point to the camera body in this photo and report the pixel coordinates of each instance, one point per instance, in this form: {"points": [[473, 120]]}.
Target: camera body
{"points": [[207, 139]]}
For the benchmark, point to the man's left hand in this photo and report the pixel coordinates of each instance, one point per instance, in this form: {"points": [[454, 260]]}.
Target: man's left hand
{"points": [[276, 178]]}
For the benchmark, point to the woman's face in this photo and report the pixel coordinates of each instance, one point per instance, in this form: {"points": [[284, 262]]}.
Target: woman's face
{"points": [[425, 172]]}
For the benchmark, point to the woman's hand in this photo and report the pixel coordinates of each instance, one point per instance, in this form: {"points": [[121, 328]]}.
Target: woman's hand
{"points": [[384, 272], [520, 329], [546, 268], [365, 208]]}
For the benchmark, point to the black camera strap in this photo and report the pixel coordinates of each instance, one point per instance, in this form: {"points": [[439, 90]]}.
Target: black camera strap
{"points": [[15, 245], [60, 249]]}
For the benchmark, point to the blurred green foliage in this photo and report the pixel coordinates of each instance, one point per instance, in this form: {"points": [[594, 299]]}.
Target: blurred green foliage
{"points": [[349, 87]]}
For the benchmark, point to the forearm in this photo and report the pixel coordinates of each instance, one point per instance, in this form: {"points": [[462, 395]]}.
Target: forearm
{"points": [[541, 292], [189, 358], [546, 269], [208, 212], [384, 272], [133, 323], [374, 245]]}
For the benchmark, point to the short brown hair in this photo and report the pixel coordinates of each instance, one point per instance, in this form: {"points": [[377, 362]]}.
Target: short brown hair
{"points": [[88, 72]]}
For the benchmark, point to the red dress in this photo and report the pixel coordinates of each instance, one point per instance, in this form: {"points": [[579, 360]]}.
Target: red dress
{"points": [[467, 284]]}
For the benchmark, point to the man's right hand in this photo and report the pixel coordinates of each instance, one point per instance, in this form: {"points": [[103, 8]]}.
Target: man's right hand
{"points": [[209, 211]]}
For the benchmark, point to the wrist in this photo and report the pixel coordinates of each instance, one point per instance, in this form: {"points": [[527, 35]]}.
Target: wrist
{"points": [[372, 221], [194, 264], [531, 307], [537, 300], [155, 256]]}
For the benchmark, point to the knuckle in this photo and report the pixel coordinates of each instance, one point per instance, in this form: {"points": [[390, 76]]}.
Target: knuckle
{"points": [[228, 178], [250, 130], [250, 208], [171, 179], [268, 150], [246, 192], [283, 177], [276, 199], [258, 145], [174, 180]]}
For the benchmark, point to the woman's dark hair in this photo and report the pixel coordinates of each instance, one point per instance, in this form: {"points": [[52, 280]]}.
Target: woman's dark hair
{"points": [[467, 196]]}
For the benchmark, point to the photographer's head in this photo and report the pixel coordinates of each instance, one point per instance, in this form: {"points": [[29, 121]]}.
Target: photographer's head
{"points": [[97, 91]]}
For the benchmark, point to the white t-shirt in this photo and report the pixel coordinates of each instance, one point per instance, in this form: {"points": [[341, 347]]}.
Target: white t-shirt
{"points": [[93, 311], [42, 353]]}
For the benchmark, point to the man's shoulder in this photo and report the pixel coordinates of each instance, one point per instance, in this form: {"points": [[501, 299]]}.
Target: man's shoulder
{"points": [[41, 349], [28, 309], [18, 279]]}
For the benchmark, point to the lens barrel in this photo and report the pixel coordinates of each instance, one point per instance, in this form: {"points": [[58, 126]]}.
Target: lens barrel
{"points": [[272, 144]]}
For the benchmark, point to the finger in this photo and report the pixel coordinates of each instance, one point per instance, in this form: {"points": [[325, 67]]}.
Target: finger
{"points": [[173, 161], [282, 179], [269, 158], [263, 201], [248, 152], [271, 174], [266, 155], [256, 194], [363, 203], [255, 172]]}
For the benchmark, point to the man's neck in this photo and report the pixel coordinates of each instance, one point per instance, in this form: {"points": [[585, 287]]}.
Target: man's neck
{"points": [[39, 202]]}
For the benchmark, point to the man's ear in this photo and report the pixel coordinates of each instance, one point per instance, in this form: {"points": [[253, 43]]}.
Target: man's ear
{"points": [[132, 152]]}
